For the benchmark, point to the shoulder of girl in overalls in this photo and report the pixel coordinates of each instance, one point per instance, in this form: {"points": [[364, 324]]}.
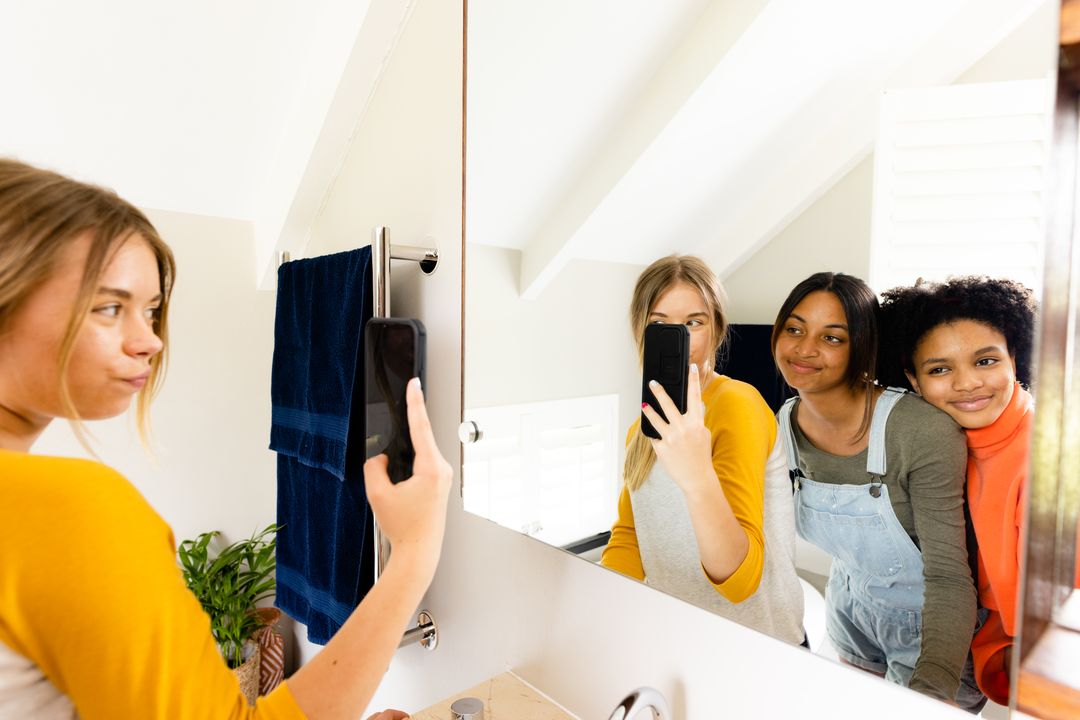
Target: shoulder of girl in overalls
{"points": [[929, 421], [911, 403]]}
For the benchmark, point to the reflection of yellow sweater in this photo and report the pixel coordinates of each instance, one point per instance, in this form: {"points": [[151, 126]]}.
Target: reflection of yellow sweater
{"points": [[743, 432], [90, 594]]}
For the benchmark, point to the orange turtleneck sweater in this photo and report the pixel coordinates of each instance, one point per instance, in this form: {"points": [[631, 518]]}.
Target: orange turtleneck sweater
{"points": [[996, 483]]}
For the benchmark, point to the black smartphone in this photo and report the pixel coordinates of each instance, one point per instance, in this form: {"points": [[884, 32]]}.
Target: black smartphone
{"points": [[394, 353], [667, 361]]}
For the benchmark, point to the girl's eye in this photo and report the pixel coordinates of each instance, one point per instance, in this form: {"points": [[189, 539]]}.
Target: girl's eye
{"points": [[833, 340], [937, 371], [693, 323], [112, 310], [792, 330], [986, 362], [152, 314]]}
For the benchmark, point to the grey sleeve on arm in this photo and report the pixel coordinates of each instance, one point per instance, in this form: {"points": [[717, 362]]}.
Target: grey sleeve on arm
{"points": [[936, 488]]}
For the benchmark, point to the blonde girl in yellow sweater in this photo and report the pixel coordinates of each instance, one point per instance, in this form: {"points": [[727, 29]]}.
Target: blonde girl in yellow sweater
{"points": [[95, 619], [705, 512]]}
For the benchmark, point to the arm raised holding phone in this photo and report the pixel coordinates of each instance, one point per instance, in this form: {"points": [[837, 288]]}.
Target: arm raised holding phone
{"points": [[684, 449], [85, 286], [340, 681]]}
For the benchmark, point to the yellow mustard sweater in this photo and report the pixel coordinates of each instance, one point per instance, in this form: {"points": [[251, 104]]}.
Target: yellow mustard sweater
{"points": [[91, 594], [743, 432]]}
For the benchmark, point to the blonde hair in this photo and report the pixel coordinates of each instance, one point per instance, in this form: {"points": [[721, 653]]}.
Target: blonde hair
{"points": [[41, 214], [657, 279]]}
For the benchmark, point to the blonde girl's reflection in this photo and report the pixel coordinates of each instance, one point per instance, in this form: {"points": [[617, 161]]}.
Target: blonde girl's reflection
{"points": [[878, 477], [705, 511]]}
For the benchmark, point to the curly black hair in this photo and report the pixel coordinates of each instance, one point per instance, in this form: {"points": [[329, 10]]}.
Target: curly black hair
{"points": [[908, 313]]}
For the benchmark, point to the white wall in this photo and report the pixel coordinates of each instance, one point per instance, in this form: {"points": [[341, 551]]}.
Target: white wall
{"points": [[1027, 53], [832, 234], [572, 341], [211, 469], [578, 632]]}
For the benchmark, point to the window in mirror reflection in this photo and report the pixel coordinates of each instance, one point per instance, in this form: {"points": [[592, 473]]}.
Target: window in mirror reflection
{"points": [[545, 468], [960, 183]]}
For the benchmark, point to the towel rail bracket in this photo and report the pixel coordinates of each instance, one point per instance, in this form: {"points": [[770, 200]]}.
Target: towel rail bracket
{"points": [[425, 632]]}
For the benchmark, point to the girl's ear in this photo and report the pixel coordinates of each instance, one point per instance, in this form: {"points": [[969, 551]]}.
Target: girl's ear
{"points": [[915, 383]]}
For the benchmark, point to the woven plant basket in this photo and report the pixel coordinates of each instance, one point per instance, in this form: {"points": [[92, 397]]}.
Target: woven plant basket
{"points": [[248, 674]]}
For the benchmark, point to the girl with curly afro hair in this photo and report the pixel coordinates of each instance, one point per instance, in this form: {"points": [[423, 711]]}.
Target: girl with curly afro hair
{"points": [[965, 345]]}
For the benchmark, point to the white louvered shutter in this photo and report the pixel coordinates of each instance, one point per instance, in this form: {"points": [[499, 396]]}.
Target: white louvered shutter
{"points": [[959, 183]]}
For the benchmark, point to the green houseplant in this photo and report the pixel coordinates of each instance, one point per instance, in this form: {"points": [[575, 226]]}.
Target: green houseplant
{"points": [[229, 584]]}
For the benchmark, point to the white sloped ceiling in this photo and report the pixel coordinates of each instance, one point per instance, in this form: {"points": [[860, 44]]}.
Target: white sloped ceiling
{"points": [[702, 126]]}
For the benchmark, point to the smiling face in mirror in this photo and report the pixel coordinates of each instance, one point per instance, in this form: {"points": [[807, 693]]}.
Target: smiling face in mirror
{"points": [[723, 131], [812, 349], [965, 369]]}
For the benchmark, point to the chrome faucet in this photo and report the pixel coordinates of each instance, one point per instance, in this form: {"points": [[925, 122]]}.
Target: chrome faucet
{"points": [[638, 700]]}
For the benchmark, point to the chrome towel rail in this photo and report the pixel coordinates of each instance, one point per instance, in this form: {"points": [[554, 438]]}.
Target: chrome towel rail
{"points": [[382, 252]]}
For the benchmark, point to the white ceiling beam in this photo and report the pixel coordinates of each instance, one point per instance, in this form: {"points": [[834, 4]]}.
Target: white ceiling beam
{"points": [[553, 243], [784, 114], [768, 98]]}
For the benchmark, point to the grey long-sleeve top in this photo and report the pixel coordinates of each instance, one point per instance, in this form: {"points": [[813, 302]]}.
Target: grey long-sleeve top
{"points": [[927, 461]]}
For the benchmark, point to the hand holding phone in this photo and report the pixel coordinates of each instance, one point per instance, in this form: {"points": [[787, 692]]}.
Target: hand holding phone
{"points": [[413, 514], [685, 449], [666, 360], [394, 353]]}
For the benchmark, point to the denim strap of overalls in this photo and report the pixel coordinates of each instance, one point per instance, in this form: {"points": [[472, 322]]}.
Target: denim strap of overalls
{"points": [[874, 594], [875, 452], [875, 455]]}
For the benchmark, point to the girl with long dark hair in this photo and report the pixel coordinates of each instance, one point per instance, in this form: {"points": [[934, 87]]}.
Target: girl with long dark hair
{"points": [[878, 484]]}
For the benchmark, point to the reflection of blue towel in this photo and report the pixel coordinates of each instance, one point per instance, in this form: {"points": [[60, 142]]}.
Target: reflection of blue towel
{"points": [[324, 554]]}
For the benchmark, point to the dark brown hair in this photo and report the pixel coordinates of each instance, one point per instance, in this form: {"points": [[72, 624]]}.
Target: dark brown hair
{"points": [[861, 310]]}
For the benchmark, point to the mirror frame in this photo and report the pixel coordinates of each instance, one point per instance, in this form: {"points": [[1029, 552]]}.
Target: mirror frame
{"points": [[1040, 687]]}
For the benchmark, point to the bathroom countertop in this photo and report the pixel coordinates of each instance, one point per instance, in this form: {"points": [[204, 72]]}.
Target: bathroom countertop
{"points": [[505, 697]]}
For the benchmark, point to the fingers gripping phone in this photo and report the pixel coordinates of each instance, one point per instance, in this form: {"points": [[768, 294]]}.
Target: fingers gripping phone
{"points": [[394, 353], [667, 361]]}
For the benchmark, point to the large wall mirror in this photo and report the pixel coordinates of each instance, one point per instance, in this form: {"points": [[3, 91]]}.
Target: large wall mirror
{"points": [[770, 139]]}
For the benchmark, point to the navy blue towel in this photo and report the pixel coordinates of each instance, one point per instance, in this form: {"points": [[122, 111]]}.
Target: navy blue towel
{"points": [[325, 553]]}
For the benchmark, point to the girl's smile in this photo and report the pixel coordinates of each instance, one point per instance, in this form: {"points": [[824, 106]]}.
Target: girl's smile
{"points": [[812, 351], [964, 368]]}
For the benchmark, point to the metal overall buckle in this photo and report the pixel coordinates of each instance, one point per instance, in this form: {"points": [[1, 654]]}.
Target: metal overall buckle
{"points": [[875, 487], [795, 475]]}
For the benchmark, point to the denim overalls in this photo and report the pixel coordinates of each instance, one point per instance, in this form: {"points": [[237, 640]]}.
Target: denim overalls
{"points": [[874, 596]]}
